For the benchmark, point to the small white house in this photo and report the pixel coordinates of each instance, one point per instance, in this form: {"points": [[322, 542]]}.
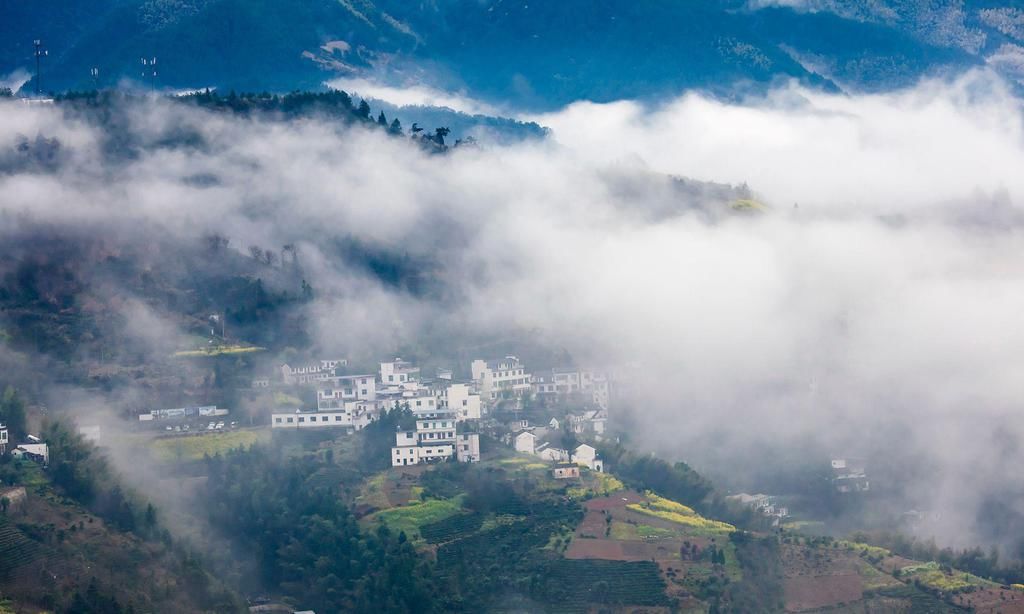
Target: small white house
{"points": [[34, 451], [586, 455], [555, 455], [3, 438], [525, 442]]}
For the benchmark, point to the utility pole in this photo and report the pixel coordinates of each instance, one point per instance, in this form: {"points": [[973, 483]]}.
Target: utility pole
{"points": [[39, 53], [149, 70]]}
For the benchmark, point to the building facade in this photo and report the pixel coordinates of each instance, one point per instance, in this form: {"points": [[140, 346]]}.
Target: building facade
{"points": [[461, 399], [495, 379], [346, 388], [311, 373]]}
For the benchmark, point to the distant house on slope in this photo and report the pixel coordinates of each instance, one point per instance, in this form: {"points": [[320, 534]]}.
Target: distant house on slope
{"points": [[565, 471], [586, 455], [525, 442]]}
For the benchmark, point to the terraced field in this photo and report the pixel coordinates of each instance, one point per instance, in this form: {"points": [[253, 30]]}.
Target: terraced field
{"points": [[16, 550], [451, 528]]}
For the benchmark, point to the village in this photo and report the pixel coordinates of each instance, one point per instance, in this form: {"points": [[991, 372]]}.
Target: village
{"points": [[450, 414]]}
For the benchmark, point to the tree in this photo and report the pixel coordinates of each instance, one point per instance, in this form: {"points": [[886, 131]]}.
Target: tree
{"points": [[12, 413], [364, 110], [396, 127], [439, 134], [381, 120]]}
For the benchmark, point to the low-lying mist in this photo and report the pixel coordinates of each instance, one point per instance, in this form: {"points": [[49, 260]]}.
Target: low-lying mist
{"points": [[872, 310]]}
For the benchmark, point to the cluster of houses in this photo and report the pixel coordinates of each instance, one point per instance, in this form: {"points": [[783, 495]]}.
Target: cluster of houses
{"points": [[441, 407], [849, 475], [446, 411], [765, 504], [33, 449], [532, 440]]}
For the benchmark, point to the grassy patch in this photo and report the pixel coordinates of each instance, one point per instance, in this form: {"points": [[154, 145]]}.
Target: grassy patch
{"points": [[410, 518], [194, 447], [373, 492], [648, 531], [220, 350], [624, 531]]}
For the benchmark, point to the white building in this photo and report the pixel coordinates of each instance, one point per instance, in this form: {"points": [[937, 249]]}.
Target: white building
{"points": [[398, 372], [502, 377], [3, 438], [586, 456], [590, 383], [462, 399], [184, 412], [467, 447], [525, 442], [589, 422], [37, 451], [311, 419], [551, 453], [311, 373], [434, 439], [346, 388]]}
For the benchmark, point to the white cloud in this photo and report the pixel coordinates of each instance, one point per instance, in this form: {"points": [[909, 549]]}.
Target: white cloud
{"points": [[895, 288]]}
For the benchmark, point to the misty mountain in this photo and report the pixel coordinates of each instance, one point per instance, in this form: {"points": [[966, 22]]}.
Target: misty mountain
{"points": [[536, 55]]}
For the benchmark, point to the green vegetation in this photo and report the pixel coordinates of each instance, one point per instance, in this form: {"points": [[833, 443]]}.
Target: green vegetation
{"points": [[453, 527], [195, 447], [409, 518], [303, 541], [567, 585]]}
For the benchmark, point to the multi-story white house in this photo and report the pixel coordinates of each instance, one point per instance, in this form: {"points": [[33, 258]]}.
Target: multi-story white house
{"points": [[435, 438], [311, 373], [3, 438], [497, 378], [462, 399], [467, 447], [571, 381], [346, 388], [398, 372]]}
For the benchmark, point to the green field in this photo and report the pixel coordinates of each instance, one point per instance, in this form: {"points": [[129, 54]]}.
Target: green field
{"points": [[409, 518], [195, 447]]}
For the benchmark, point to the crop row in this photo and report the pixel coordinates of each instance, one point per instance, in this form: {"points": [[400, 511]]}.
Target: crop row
{"points": [[570, 581], [451, 528]]}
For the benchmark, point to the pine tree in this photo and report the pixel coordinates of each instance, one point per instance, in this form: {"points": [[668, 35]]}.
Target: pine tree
{"points": [[381, 120]]}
